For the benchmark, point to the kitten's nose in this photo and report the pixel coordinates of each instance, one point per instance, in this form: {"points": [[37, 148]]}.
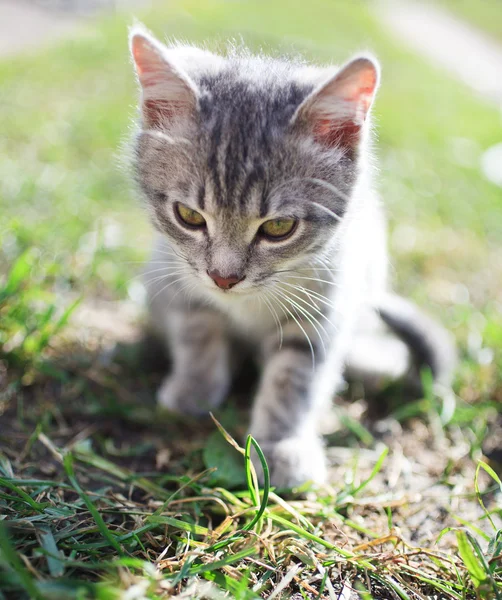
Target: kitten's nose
{"points": [[225, 283]]}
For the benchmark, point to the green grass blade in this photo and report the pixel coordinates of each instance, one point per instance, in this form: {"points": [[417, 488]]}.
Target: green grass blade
{"points": [[471, 561], [252, 484], [123, 474], [54, 562], [266, 476], [105, 532], [19, 272], [178, 524], [310, 536], [376, 469], [442, 586], [493, 475], [484, 563], [228, 560], [26, 497], [12, 558]]}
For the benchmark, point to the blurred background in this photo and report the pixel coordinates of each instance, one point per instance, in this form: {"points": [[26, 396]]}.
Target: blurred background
{"points": [[73, 237], [71, 227]]}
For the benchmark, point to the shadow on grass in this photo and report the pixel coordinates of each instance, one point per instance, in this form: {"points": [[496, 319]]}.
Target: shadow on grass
{"points": [[107, 399]]}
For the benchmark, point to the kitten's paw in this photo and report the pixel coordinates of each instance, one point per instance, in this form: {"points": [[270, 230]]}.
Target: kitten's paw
{"points": [[293, 461], [190, 396]]}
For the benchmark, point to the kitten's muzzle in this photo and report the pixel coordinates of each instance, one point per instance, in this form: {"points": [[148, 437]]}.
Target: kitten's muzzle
{"points": [[225, 283]]}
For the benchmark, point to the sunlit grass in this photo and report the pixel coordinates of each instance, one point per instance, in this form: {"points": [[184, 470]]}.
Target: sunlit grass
{"points": [[100, 494]]}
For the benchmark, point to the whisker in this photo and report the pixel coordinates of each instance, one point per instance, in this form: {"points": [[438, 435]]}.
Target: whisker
{"points": [[161, 277], [316, 267], [317, 295], [143, 277], [331, 188], [154, 262], [331, 213], [190, 294], [164, 269], [312, 320], [307, 268], [177, 293], [306, 291], [170, 253], [314, 279], [167, 286], [275, 316], [302, 329]]}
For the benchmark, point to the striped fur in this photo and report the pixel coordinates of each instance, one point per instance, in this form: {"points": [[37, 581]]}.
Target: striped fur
{"points": [[243, 139]]}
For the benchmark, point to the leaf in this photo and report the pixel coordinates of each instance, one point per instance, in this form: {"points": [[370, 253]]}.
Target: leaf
{"points": [[18, 273], [470, 560], [490, 472], [226, 460]]}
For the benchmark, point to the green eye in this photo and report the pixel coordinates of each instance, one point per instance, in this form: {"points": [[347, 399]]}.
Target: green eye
{"points": [[189, 216], [278, 229]]}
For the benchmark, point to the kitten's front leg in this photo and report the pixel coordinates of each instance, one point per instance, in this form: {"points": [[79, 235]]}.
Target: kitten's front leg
{"points": [[286, 414], [200, 376]]}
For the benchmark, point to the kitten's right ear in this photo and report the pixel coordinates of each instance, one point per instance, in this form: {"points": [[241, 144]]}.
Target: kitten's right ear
{"points": [[168, 94]]}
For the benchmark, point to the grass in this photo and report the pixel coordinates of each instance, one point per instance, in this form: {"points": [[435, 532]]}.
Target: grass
{"points": [[100, 497]]}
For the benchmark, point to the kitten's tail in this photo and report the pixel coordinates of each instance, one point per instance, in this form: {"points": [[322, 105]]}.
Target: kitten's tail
{"points": [[430, 344]]}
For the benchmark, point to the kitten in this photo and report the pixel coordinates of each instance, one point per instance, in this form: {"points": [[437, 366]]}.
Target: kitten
{"points": [[256, 174]]}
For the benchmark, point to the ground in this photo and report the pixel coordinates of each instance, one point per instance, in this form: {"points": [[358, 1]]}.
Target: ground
{"points": [[102, 497]]}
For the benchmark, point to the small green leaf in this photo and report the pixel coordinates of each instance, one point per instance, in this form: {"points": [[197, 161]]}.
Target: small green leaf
{"points": [[486, 467], [227, 461], [18, 273]]}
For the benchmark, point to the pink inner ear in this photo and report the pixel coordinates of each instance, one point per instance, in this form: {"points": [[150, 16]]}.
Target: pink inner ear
{"points": [[158, 112], [337, 134], [344, 130], [149, 64], [165, 95]]}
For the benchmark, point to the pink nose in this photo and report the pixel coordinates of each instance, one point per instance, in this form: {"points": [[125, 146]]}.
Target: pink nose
{"points": [[225, 283]]}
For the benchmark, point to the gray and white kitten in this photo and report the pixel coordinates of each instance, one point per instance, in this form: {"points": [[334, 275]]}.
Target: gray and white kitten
{"points": [[257, 176]]}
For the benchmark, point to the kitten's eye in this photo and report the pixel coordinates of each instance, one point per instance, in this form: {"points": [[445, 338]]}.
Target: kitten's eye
{"points": [[190, 217], [278, 229]]}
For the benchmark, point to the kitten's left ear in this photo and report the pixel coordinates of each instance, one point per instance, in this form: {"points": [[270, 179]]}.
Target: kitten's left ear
{"points": [[168, 94], [336, 111]]}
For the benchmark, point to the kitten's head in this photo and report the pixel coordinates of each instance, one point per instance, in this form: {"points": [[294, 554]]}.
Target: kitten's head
{"points": [[247, 163]]}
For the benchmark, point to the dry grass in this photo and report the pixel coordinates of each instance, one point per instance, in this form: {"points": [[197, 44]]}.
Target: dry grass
{"points": [[101, 497]]}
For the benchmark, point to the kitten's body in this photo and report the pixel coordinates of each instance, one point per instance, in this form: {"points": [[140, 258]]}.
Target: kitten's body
{"points": [[240, 141]]}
